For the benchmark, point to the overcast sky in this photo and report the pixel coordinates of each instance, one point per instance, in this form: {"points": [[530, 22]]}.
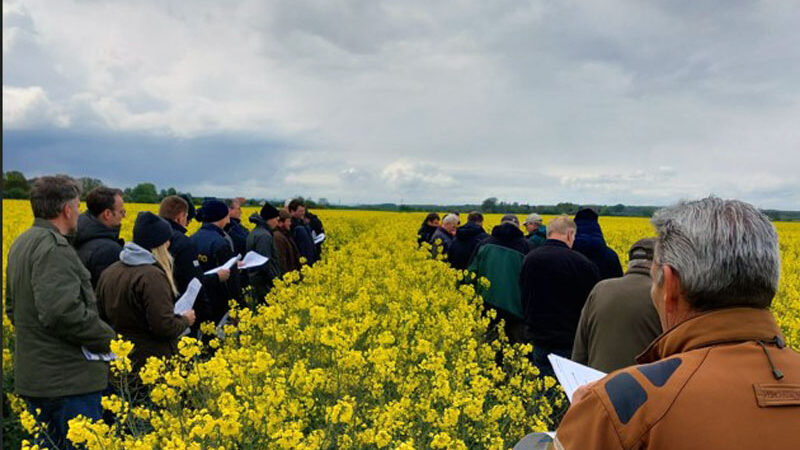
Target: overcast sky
{"points": [[415, 101]]}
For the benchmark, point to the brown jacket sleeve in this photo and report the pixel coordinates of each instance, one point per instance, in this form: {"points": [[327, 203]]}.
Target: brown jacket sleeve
{"points": [[586, 426], [157, 301]]}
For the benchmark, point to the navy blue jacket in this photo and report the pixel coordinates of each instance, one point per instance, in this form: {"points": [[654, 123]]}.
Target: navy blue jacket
{"points": [[589, 241], [555, 284], [238, 234], [463, 246], [213, 250], [302, 237], [186, 266]]}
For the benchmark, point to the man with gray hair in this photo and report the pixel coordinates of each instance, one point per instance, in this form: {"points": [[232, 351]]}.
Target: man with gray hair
{"points": [[619, 320], [721, 376], [537, 232], [50, 301], [443, 237]]}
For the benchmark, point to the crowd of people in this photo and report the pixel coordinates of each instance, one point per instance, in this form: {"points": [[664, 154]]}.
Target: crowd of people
{"points": [[73, 284], [692, 308]]}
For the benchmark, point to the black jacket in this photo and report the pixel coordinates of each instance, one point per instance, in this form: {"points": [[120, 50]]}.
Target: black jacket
{"points": [[555, 284], [506, 235], [302, 237], [238, 234], [467, 238], [213, 250], [425, 233], [315, 224], [98, 246], [261, 241], [590, 242]]}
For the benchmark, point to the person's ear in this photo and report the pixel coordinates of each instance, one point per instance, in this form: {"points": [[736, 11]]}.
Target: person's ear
{"points": [[671, 284]]}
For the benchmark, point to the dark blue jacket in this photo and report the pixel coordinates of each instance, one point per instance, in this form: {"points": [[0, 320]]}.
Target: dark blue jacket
{"points": [[467, 238], [186, 266], [238, 234], [213, 250], [589, 241], [302, 237]]}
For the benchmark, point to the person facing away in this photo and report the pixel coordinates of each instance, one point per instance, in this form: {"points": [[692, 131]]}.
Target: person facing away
{"points": [[234, 228], [97, 239], [50, 301], [537, 232], [261, 241], [590, 242], [288, 253], [466, 240], [213, 250], [556, 281], [136, 294], [721, 375], [443, 236], [301, 232], [499, 259], [315, 224], [428, 227], [618, 320]]}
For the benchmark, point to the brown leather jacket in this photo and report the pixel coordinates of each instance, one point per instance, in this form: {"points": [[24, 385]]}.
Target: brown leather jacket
{"points": [[722, 380]]}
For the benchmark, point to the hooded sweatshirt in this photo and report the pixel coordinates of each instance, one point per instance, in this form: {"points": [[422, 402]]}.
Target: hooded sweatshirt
{"points": [[463, 246], [135, 297], [589, 241], [98, 246]]}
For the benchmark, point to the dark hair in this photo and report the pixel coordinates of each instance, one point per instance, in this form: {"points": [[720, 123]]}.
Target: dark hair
{"points": [[296, 203], [50, 193], [431, 216], [100, 199], [475, 216], [284, 215], [172, 206]]}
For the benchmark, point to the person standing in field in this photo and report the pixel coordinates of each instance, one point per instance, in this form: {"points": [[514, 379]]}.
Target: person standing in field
{"points": [[443, 237], [315, 224], [261, 241], [537, 232], [590, 242], [618, 320], [97, 239], [556, 281], [721, 375], [499, 259], [288, 253], [50, 301], [429, 226], [301, 231], [214, 249], [136, 295], [466, 240], [234, 228]]}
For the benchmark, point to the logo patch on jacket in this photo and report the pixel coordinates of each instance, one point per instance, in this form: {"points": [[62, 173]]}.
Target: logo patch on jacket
{"points": [[202, 258], [777, 394]]}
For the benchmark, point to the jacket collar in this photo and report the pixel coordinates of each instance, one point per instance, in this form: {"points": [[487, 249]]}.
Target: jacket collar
{"points": [[555, 243], [716, 327], [176, 226], [640, 266], [214, 228]]}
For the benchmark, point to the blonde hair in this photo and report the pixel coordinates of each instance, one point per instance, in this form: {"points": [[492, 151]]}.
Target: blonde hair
{"points": [[164, 259], [561, 225]]}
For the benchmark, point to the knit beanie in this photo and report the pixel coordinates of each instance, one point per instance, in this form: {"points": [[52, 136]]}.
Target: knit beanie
{"points": [[190, 213], [212, 211], [268, 212], [586, 214], [150, 231]]}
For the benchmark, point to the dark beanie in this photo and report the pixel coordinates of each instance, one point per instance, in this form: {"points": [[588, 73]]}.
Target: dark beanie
{"points": [[212, 211], [586, 214], [269, 212], [150, 231], [190, 213]]}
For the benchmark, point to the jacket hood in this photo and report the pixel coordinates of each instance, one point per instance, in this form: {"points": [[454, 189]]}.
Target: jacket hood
{"points": [[507, 231], [134, 255], [589, 235], [90, 227], [469, 231], [257, 220]]}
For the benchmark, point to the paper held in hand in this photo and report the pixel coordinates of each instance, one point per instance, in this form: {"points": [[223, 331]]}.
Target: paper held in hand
{"points": [[253, 259], [228, 265], [110, 356], [572, 375], [186, 302], [319, 238]]}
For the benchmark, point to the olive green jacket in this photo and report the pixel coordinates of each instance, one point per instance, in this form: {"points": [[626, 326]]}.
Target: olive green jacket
{"points": [[50, 301]]}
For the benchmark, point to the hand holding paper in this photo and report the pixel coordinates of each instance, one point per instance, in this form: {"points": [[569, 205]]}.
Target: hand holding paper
{"points": [[253, 259], [228, 265], [186, 302], [572, 375]]}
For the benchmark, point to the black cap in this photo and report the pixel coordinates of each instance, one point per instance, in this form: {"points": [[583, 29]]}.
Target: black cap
{"points": [[586, 214], [212, 211], [269, 212], [150, 231]]}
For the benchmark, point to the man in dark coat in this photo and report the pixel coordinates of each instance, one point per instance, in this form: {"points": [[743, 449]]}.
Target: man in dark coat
{"points": [[301, 232], [619, 320], [97, 240], [214, 250], [590, 242], [428, 227], [313, 221], [288, 253], [467, 238], [443, 237], [499, 259], [234, 228], [555, 284], [261, 241]]}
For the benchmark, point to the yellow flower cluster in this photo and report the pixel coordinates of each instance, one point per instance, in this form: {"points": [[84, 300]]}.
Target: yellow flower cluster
{"points": [[377, 346]]}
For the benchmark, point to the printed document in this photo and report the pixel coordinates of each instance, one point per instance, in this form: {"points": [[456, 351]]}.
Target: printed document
{"points": [[253, 259], [228, 265], [186, 302], [319, 238], [572, 375]]}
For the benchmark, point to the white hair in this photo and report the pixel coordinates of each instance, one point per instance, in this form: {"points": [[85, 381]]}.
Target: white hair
{"points": [[450, 219]]}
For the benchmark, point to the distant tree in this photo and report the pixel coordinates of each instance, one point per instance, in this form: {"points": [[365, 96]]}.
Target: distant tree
{"points": [[143, 193], [87, 184], [167, 193], [489, 205], [15, 185], [323, 202]]}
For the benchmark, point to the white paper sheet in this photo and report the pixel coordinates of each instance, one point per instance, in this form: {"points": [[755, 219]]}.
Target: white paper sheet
{"points": [[572, 375], [228, 265], [110, 356], [536, 441], [319, 238], [186, 302], [253, 259]]}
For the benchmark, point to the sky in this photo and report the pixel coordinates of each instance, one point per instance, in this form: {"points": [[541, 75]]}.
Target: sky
{"points": [[447, 102]]}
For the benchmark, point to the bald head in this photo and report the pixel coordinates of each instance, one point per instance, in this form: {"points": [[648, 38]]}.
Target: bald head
{"points": [[563, 229]]}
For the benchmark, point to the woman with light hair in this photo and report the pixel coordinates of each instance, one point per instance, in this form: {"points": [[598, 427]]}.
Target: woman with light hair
{"points": [[136, 295]]}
